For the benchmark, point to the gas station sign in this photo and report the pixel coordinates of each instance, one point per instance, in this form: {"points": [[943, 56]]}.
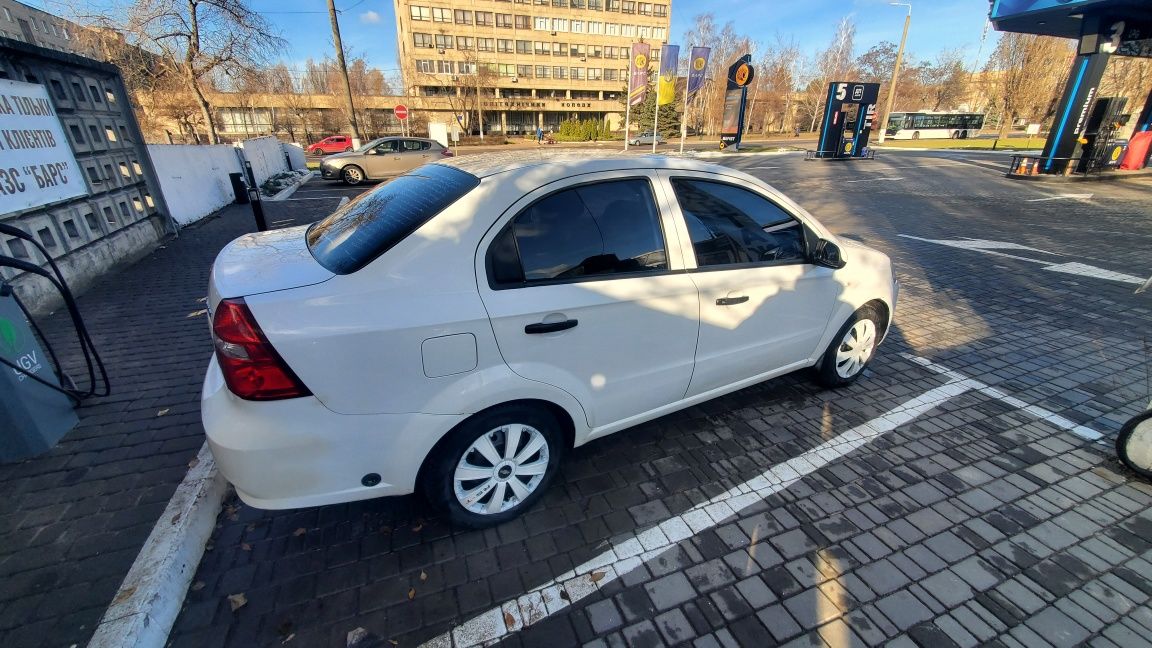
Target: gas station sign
{"points": [[849, 112]]}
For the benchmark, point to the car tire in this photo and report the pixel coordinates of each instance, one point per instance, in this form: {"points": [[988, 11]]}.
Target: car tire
{"points": [[352, 175], [348, 150], [916, 135], [851, 349], [1134, 444], [469, 448]]}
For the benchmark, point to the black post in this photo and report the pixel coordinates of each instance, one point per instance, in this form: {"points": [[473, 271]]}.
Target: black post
{"points": [[254, 198]]}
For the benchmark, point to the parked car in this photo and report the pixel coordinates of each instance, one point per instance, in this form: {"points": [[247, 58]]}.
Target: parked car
{"points": [[646, 138], [459, 329], [333, 144], [382, 158]]}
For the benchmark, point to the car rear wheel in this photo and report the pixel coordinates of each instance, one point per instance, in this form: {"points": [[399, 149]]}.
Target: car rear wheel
{"points": [[1134, 444], [348, 150], [851, 350], [352, 175], [494, 466], [916, 135]]}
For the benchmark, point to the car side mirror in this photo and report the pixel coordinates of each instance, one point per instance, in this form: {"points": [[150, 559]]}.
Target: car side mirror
{"points": [[828, 254]]}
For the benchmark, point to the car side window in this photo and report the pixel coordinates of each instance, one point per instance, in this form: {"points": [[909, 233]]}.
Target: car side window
{"points": [[730, 225], [386, 147], [591, 230], [411, 145]]}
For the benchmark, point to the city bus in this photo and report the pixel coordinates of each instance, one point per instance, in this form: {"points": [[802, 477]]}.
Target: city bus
{"points": [[933, 125]]}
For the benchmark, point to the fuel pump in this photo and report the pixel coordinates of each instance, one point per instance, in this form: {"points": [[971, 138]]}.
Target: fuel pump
{"points": [[37, 399], [849, 111]]}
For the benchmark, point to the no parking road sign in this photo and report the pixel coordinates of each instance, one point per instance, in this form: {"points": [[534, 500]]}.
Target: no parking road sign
{"points": [[401, 111]]}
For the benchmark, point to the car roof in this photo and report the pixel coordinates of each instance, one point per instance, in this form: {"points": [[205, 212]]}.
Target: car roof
{"points": [[572, 162]]}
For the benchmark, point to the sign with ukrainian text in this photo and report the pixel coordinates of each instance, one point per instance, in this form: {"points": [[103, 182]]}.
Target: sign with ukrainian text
{"points": [[37, 166]]}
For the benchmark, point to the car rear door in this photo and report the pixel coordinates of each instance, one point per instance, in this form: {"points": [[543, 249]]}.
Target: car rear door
{"points": [[415, 153], [763, 306], [583, 283]]}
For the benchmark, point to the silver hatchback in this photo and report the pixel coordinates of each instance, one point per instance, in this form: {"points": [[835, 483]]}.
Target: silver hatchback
{"points": [[382, 158]]}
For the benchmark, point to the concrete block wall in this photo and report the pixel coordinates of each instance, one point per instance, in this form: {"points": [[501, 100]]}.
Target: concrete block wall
{"points": [[194, 178], [266, 155]]}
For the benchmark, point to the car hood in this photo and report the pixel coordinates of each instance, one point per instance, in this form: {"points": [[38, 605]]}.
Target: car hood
{"points": [[265, 262]]}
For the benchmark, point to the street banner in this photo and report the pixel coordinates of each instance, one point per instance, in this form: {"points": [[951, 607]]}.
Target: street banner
{"points": [[638, 79], [669, 61], [37, 166], [697, 68]]}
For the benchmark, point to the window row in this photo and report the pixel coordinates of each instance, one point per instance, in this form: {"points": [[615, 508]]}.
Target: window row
{"points": [[41, 25], [538, 23], [508, 46], [526, 71], [465, 17]]}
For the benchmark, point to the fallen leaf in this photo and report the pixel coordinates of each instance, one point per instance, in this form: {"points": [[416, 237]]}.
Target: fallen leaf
{"points": [[356, 636], [163, 412], [411, 593], [195, 460], [197, 586], [394, 642], [124, 595], [245, 546], [237, 601], [597, 577], [564, 595], [176, 518], [202, 300], [195, 314], [299, 532], [509, 621], [423, 576], [417, 528], [288, 638]]}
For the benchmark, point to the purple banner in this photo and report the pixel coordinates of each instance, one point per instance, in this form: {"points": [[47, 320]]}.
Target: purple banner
{"points": [[697, 68], [638, 77]]}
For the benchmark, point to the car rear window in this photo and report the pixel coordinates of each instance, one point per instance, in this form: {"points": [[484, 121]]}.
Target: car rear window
{"points": [[359, 232]]}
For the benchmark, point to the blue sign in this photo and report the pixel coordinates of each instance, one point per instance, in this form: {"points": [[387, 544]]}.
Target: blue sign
{"points": [[1007, 8]]}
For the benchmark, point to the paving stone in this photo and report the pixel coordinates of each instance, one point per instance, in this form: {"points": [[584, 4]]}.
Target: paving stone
{"points": [[604, 616], [670, 591], [882, 577], [779, 622], [811, 608], [903, 609], [947, 588], [674, 627]]}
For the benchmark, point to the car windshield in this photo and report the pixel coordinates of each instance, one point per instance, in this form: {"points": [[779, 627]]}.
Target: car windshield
{"points": [[359, 232], [365, 147]]}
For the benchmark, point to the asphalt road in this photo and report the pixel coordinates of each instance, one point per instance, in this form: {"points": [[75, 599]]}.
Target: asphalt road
{"points": [[962, 492]]}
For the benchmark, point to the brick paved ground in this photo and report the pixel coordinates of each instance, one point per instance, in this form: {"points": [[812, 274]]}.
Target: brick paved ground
{"points": [[73, 520], [974, 523]]}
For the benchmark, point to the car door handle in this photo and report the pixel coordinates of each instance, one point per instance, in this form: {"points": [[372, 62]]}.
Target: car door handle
{"points": [[550, 327], [731, 301]]}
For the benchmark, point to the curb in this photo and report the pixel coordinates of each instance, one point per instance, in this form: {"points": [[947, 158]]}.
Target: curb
{"points": [[286, 192], [149, 600]]}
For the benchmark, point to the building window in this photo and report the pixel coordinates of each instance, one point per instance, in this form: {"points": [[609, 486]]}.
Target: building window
{"points": [[506, 70], [559, 24], [124, 134], [71, 229], [16, 246], [46, 237], [577, 26], [425, 67], [124, 210], [559, 72], [92, 223], [93, 175], [595, 27], [559, 49], [137, 204], [466, 68], [124, 172], [109, 216], [595, 51], [463, 17], [523, 22], [108, 173], [577, 74], [8, 14], [484, 18], [523, 47], [95, 94], [465, 42], [612, 29], [659, 33], [485, 44], [149, 201], [136, 168], [504, 45], [58, 88], [94, 134], [443, 41], [504, 21], [542, 48], [541, 24], [613, 5], [543, 72], [645, 8], [524, 71], [559, 3], [110, 134], [421, 13], [595, 74], [628, 30], [444, 67], [628, 7], [645, 32], [423, 40], [596, 5], [77, 92], [77, 134], [610, 74], [660, 10], [441, 15], [577, 4]]}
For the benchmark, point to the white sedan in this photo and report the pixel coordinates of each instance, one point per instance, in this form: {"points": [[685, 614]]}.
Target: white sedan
{"points": [[458, 330]]}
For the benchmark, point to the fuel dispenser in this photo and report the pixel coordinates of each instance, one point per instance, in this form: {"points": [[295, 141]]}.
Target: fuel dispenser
{"points": [[37, 399], [849, 114], [1099, 148]]}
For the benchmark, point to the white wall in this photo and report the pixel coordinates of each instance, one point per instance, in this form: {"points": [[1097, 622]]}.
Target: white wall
{"points": [[296, 154], [266, 156], [194, 178]]}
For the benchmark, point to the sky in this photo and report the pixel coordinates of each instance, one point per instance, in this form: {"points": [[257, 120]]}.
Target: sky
{"points": [[368, 27]]}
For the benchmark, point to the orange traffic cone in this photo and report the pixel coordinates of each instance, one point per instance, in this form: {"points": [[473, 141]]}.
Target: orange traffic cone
{"points": [[1036, 167], [1021, 168]]}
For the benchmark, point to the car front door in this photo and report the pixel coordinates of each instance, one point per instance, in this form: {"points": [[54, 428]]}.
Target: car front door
{"points": [[585, 288], [383, 161], [763, 305]]}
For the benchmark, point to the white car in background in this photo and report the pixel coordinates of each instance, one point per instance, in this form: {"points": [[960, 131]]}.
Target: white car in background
{"points": [[457, 330]]}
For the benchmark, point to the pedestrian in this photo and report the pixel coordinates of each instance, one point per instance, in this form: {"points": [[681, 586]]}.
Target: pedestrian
{"points": [[539, 135]]}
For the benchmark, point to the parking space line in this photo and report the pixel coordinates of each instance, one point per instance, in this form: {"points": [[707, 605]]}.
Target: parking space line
{"points": [[624, 556]]}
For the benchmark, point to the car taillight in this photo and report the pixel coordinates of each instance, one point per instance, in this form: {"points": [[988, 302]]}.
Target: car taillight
{"points": [[251, 367], [445, 152]]}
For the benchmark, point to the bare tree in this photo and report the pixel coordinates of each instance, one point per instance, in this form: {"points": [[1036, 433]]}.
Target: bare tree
{"points": [[1028, 71], [199, 39], [834, 63]]}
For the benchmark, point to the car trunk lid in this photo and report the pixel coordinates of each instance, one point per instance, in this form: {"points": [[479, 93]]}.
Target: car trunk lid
{"points": [[265, 262]]}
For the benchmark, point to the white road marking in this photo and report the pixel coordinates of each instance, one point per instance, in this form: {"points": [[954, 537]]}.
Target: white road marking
{"points": [[1074, 268], [1062, 197], [872, 180], [625, 556]]}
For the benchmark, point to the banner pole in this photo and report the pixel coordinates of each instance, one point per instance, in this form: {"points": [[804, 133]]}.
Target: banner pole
{"points": [[627, 117], [684, 116], [656, 117]]}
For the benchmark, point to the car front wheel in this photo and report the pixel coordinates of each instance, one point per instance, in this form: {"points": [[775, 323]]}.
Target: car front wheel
{"points": [[352, 175], [851, 349], [495, 466]]}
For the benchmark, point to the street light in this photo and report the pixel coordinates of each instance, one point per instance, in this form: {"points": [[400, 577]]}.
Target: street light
{"points": [[895, 68]]}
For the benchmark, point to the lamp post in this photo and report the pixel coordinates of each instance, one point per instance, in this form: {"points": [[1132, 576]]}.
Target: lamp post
{"points": [[895, 69]]}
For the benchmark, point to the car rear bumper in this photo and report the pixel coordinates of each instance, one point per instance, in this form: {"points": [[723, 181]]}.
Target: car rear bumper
{"points": [[295, 453]]}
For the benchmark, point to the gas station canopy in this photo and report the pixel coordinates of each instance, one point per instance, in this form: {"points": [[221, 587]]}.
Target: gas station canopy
{"points": [[1065, 18]]}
